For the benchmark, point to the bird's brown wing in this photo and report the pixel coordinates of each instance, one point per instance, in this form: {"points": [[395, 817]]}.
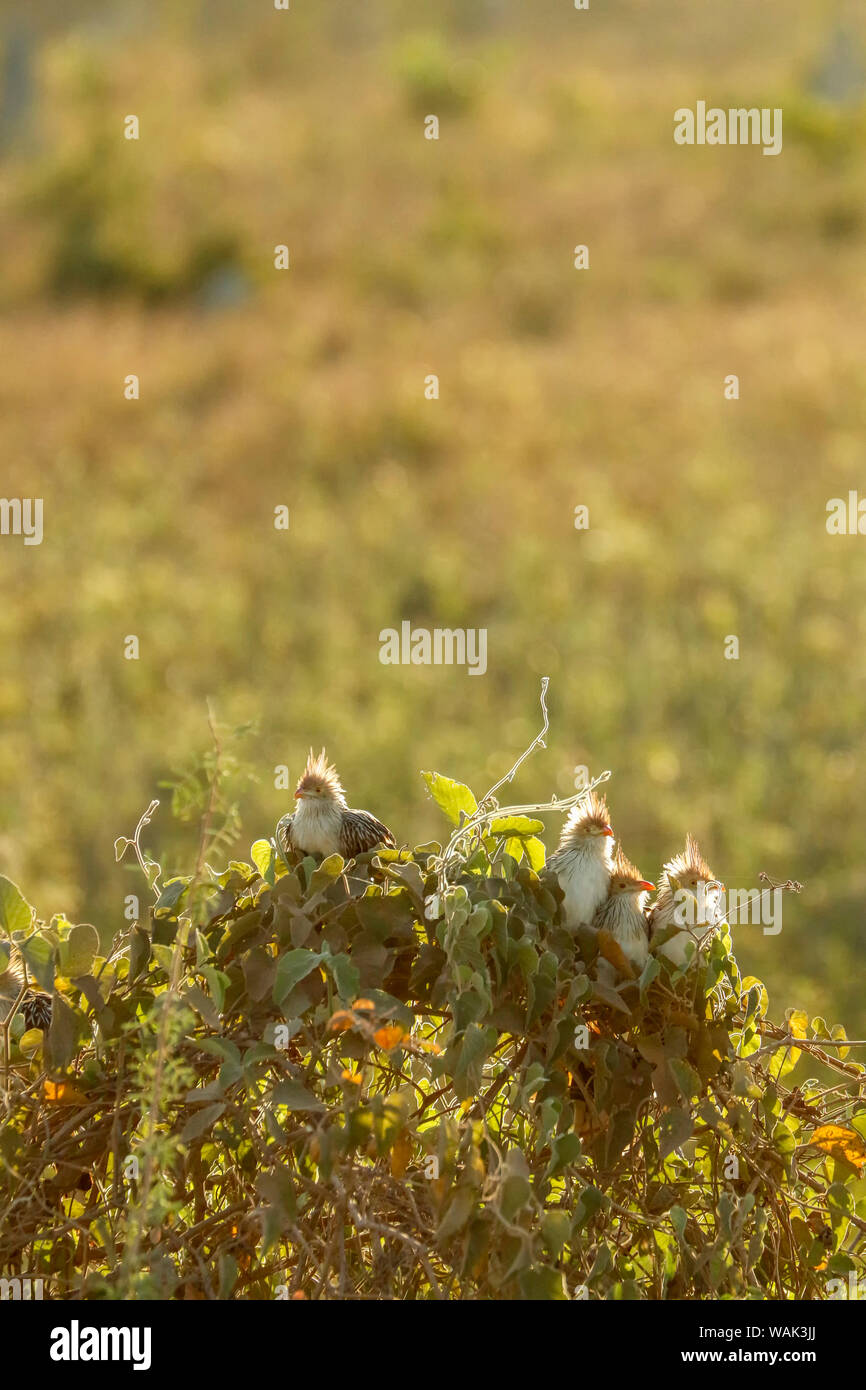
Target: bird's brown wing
{"points": [[284, 832], [360, 831], [36, 1009]]}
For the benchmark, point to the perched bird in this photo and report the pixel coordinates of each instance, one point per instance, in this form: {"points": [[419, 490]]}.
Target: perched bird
{"points": [[622, 914], [692, 917], [323, 823], [582, 862], [35, 1006]]}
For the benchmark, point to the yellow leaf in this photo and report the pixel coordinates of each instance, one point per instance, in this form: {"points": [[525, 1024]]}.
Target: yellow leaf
{"points": [[401, 1153], [840, 1143]]}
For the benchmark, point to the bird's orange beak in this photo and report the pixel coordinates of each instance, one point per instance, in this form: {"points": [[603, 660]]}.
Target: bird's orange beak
{"points": [[607, 831], [298, 795], [650, 887]]}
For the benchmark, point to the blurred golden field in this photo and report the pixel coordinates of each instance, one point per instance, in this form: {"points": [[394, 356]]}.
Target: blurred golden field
{"points": [[558, 388]]}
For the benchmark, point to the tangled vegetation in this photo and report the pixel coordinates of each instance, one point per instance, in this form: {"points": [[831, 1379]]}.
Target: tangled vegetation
{"points": [[397, 1078]]}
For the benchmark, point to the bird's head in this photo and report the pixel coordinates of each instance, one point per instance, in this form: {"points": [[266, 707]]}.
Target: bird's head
{"points": [[320, 782], [689, 869], [588, 820], [625, 878]]}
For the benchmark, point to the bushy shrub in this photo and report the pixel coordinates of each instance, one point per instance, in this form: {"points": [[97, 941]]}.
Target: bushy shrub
{"points": [[397, 1078]]}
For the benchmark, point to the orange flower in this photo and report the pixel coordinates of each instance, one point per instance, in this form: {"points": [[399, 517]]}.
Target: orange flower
{"points": [[340, 1021], [364, 1004], [353, 1076], [389, 1037], [63, 1093]]}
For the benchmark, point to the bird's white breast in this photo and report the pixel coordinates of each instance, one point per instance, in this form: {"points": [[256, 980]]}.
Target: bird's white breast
{"points": [[584, 879], [626, 923], [676, 948], [316, 828]]}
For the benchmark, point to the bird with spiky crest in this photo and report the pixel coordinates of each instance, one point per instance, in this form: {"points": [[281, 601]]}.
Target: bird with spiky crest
{"points": [[323, 823], [622, 913], [688, 907], [582, 861]]}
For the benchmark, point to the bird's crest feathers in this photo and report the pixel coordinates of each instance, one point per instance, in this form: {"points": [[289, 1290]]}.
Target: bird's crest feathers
{"points": [[624, 868], [689, 864], [319, 774], [590, 811]]}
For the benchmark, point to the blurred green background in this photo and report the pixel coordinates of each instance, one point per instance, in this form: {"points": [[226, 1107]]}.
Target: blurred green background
{"points": [[558, 388]]}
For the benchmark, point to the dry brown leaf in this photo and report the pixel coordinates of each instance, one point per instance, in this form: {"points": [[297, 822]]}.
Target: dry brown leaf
{"points": [[610, 948]]}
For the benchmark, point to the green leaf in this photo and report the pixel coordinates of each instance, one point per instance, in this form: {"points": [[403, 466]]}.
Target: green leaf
{"points": [[459, 1210], [169, 897], [201, 1121], [63, 1033], [754, 998], [16, 914], [324, 874], [5, 956], [292, 968], [452, 797], [477, 1042], [77, 951], [648, 974], [295, 1096], [217, 983], [265, 859], [345, 975], [515, 825], [542, 1282], [38, 952], [565, 1150], [535, 852], [839, 1035], [556, 1231], [228, 1269], [783, 1061], [198, 1000], [675, 1128], [678, 1220], [688, 1082]]}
